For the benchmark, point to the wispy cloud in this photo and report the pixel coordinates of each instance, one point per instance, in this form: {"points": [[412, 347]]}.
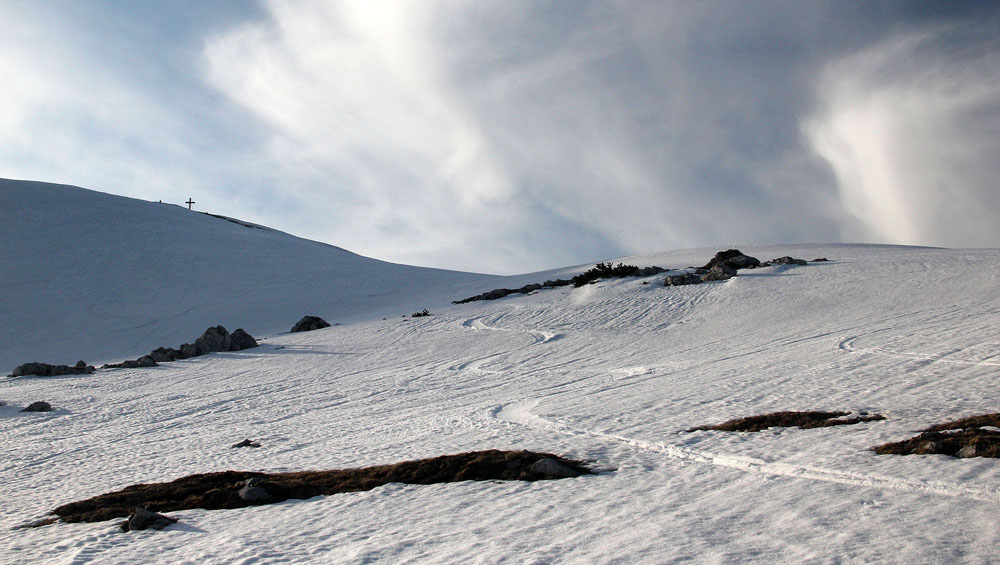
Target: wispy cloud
{"points": [[511, 136], [910, 127]]}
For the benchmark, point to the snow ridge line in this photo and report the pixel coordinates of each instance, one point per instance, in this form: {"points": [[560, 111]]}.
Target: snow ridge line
{"points": [[520, 413]]}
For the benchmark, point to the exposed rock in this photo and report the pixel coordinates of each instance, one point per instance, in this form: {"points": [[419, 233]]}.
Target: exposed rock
{"points": [[928, 448], [719, 272], [786, 260], [247, 443], [240, 340], [142, 519], [681, 280], [967, 451], [40, 406], [145, 361], [47, 370], [214, 339], [165, 354], [309, 323], [820, 260], [734, 259], [188, 350], [252, 492], [650, 271], [552, 468]]}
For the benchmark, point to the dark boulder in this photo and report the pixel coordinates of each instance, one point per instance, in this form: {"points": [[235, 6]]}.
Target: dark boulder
{"points": [[145, 361], [40, 406], [310, 323], [240, 340], [165, 354], [247, 443], [142, 519], [786, 260], [734, 259], [214, 339], [252, 491], [719, 272], [188, 350], [552, 468], [681, 280]]}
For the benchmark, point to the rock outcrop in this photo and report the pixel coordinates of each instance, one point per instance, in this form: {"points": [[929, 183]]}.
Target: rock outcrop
{"points": [[142, 519], [46, 370], [40, 406], [214, 339], [310, 323]]}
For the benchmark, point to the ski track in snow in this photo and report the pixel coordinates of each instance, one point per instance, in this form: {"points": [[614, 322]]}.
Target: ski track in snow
{"points": [[520, 413]]}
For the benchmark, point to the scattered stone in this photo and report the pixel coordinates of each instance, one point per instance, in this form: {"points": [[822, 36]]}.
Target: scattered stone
{"points": [[786, 260], [165, 354], [145, 361], [681, 280], [967, 451], [719, 272], [40, 406], [142, 519], [247, 443], [310, 323], [734, 259], [552, 468], [929, 448], [214, 339], [424, 312], [252, 492], [188, 350], [47, 370], [240, 340]]}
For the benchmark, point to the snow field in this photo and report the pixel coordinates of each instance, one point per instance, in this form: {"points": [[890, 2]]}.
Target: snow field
{"points": [[612, 372]]}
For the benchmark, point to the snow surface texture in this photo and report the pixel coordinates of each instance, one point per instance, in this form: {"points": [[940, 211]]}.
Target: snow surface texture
{"points": [[611, 372]]}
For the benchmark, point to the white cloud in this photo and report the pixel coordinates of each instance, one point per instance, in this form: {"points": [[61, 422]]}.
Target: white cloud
{"points": [[910, 128]]}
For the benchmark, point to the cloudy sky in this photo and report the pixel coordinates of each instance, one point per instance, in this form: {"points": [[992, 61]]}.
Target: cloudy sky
{"points": [[508, 136]]}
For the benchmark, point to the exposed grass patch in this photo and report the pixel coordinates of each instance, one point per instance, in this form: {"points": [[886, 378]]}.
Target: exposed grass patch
{"points": [[222, 490], [959, 438], [804, 420]]}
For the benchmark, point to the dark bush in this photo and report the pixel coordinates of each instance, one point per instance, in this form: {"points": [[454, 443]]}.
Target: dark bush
{"points": [[604, 271]]}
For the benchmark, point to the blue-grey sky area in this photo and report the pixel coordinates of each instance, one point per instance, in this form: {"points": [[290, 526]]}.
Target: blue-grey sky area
{"points": [[508, 136]]}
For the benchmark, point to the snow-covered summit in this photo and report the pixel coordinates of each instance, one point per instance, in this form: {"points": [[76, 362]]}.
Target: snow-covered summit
{"points": [[89, 275]]}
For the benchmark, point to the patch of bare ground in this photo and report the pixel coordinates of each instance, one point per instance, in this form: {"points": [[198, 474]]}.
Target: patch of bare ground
{"points": [[238, 489], [967, 437], [803, 420]]}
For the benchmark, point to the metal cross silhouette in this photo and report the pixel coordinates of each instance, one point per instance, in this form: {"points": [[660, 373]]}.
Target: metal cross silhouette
{"points": [[189, 203]]}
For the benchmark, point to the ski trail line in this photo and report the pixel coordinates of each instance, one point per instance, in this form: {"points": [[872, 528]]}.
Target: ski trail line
{"points": [[520, 413]]}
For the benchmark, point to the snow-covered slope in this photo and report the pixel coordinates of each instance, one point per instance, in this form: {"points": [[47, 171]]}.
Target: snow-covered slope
{"points": [[88, 275], [613, 372]]}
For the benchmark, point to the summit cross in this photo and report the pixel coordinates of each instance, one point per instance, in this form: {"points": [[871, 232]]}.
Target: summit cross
{"points": [[189, 203]]}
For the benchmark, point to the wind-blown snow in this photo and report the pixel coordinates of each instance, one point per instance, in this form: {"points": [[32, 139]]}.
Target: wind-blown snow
{"points": [[611, 372]]}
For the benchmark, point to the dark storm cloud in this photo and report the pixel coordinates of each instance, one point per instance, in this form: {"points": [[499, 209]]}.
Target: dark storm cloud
{"points": [[508, 136]]}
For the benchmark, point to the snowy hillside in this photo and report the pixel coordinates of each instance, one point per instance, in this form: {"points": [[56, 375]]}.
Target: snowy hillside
{"points": [[92, 276], [612, 372]]}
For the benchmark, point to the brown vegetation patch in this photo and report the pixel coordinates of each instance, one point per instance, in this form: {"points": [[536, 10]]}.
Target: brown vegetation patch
{"points": [[804, 420], [223, 489], [958, 438]]}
